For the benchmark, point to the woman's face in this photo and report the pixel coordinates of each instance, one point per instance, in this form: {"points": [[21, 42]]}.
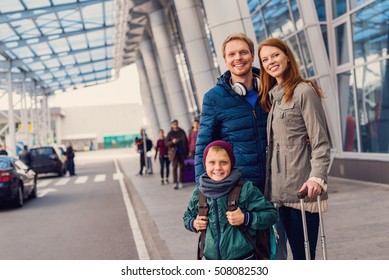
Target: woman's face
{"points": [[274, 62]]}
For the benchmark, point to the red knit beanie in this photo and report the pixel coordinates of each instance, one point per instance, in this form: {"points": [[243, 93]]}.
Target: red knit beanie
{"points": [[223, 144]]}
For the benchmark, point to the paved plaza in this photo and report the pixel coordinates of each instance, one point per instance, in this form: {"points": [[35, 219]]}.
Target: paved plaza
{"points": [[356, 224]]}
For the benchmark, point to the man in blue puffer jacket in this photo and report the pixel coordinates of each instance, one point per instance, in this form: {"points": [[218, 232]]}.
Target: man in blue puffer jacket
{"points": [[231, 112]]}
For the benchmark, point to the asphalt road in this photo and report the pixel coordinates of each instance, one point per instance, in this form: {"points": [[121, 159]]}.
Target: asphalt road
{"points": [[82, 217]]}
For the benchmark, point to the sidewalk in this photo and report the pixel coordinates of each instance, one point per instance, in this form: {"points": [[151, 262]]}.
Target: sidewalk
{"points": [[356, 224]]}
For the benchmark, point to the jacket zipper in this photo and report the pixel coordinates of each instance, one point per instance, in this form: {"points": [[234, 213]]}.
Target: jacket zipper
{"points": [[278, 157], [218, 230], [257, 139]]}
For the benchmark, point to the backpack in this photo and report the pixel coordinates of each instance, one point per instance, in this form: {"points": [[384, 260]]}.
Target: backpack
{"points": [[149, 144], [262, 240], [139, 143]]}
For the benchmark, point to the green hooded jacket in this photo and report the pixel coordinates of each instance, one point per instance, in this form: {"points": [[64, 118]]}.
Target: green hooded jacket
{"points": [[222, 240]]}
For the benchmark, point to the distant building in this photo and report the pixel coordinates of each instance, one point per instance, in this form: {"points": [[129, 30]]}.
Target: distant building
{"points": [[90, 127]]}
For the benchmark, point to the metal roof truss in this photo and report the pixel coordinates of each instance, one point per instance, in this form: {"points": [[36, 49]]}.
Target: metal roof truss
{"points": [[59, 44]]}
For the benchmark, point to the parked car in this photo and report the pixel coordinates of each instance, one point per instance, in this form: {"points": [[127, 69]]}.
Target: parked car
{"points": [[17, 181], [48, 159]]}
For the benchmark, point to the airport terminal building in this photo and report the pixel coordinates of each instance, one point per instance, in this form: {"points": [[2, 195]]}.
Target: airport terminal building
{"points": [[341, 44]]}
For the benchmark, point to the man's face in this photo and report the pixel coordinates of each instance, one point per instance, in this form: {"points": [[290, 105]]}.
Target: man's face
{"points": [[175, 126], [238, 59]]}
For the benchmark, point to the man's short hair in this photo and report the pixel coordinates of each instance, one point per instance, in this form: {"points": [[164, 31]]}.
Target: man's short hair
{"points": [[238, 36], [174, 121]]}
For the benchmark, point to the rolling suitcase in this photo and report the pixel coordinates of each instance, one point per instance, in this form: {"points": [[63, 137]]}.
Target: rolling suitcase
{"points": [[301, 196], [189, 171]]}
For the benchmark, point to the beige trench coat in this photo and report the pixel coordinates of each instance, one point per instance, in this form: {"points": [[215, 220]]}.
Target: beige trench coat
{"points": [[292, 159]]}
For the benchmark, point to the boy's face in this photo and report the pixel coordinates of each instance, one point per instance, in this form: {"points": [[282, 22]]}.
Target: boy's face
{"points": [[217, 165]]}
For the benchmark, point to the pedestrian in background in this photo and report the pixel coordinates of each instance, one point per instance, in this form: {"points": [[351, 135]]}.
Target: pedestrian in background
{"points": [[177, 142], [25, 156], [299, 147], [164, 161], [70, 156], [144, 145], [192, 137]]}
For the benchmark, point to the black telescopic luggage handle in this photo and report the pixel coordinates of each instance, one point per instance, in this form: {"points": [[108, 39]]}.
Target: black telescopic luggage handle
{"points": [[301, 196]]}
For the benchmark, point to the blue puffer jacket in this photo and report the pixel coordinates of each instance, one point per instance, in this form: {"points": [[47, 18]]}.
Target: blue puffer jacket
{"points": [[228, 116]]}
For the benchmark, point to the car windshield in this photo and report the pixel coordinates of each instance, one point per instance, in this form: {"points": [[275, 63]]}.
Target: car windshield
{"points": [[5, 163], [42, 152]]}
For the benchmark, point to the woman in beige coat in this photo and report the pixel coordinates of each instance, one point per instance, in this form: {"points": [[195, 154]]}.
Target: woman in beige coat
{"points": [[298, 143]]}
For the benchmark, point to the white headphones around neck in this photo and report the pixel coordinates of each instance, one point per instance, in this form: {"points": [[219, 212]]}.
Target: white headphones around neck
{"points": [[240, 88]]}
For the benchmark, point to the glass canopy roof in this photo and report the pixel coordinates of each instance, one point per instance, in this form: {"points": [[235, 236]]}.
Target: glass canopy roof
{"points": [[57, 44]]}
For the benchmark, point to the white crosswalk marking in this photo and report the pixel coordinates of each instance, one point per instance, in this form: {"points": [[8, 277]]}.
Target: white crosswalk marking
{"points": [[100, 178], [42, 193], [81, 180], [78, 180], [43, 183], [62, 182], [118, 176]]}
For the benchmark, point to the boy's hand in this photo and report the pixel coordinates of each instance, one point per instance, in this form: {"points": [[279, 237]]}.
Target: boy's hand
{"points": [[235, 218], [200, 223]]}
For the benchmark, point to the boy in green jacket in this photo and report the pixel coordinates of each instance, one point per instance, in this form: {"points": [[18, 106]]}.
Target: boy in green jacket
{"points": [[223, 238]]}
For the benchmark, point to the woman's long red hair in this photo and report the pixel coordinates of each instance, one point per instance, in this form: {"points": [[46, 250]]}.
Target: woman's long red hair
{"points": [[290, 78]]}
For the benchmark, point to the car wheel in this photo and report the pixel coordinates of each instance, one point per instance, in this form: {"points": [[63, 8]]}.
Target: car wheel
{"points": [[64, 169], [60, 172], [19, 199], [34, 192]]}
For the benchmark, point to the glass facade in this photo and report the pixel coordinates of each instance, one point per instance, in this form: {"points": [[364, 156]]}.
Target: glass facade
{"points": [[282, 19], [342, 47], [356, 38], [369, 68]]}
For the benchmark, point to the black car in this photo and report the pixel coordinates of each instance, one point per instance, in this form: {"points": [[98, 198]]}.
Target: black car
{"points": [[17, 181], [48, 159]]}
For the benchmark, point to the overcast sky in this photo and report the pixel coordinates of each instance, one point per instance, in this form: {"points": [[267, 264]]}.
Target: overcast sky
{"points": [[123, 90]]}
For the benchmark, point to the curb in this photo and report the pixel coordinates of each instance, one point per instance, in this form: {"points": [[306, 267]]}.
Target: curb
{"points": [[156, 246]]}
